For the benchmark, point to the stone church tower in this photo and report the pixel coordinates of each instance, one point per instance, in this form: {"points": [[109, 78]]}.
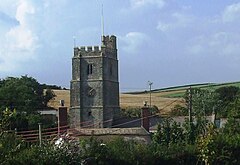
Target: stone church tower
{"points": [[94, 94]]}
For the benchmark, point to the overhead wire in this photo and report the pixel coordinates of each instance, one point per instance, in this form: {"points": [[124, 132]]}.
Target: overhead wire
{"points": [[27, 135]]}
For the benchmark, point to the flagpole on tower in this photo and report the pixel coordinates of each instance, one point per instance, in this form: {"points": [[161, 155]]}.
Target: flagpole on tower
{"points": [[102, 22]]}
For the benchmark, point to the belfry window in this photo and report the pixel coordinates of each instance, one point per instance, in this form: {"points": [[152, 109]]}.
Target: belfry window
{"points": [[90, 69], [89, 113]]}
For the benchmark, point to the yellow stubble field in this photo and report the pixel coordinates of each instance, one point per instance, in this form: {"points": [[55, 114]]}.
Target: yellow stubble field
{"points": [[159, 99]]}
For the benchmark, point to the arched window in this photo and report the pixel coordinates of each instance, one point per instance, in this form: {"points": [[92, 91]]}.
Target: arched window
{"points": [[90, 69]]}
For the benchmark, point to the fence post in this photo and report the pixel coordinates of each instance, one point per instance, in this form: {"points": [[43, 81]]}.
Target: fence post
{"points": [[40, 133]]}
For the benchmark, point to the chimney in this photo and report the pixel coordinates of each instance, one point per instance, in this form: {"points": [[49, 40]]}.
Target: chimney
{"points": [[62, 114], [145, 118]]}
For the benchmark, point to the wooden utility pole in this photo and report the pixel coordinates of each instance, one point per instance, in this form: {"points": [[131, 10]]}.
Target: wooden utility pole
{"points": [[190, 114], [190, 104], [40, 133], [150, 93]]}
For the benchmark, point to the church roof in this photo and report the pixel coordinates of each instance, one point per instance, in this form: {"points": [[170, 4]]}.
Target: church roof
{"points": [[112, 131]]}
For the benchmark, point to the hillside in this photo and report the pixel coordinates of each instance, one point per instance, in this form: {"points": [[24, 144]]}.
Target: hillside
{"points": [[164, 99], [126, 100]]}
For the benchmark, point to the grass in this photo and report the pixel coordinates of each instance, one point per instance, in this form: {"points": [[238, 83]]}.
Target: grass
{"points": [[177, 94], [180, 90]]}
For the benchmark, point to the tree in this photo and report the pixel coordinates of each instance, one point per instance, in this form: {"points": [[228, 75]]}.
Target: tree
{"points": [[228, 93], [229, 101], [179, 110], [204, 101], [23, 93], [11, 120], [169, 132], [206, 145], [22, 98]]}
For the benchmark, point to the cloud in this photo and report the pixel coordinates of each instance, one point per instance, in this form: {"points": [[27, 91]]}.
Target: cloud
{"points": [[21, 37], [164, 26], [141, 3], [179, 20], [224, 44], [182, 19], [132, 41], [19, 42], [8, 20], [231, 13], [196, 49], [9, 7]]}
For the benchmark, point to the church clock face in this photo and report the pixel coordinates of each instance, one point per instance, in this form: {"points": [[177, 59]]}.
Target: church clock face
{"points": [[91, 92]]}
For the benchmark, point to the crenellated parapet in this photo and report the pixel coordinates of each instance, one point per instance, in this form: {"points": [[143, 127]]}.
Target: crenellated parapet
{"points": [[108, 47], [87, 51], [109, 42]]}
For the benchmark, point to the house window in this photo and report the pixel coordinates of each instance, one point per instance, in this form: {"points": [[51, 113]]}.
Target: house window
{"points": [[90, 69]]}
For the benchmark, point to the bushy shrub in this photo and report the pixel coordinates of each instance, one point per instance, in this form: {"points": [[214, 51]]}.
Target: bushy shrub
{"points": [[174, 154], [220, 146], [45, 155], [131, 112], [179, 110], [136, 111]]}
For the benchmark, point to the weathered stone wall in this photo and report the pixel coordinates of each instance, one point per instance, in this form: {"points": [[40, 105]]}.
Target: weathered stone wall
{"points": [[95, 96]]}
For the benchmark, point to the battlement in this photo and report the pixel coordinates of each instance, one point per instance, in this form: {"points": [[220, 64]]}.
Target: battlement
{"points": [[109, 41], [88, 48], [108, 44], [87, 51], [109, 38]]}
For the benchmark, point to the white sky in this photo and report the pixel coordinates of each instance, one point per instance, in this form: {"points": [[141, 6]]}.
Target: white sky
{"points": [[169, 42]]}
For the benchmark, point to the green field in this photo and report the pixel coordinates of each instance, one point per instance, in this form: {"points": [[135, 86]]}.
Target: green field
{"points": [[178, 91]]}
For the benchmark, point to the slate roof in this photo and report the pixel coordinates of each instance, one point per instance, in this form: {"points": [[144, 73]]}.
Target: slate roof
{"points": [[113, 131]]}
